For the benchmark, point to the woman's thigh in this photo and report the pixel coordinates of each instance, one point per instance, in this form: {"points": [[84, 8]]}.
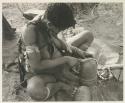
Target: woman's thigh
{"points": [[36, 86], [82, 40]]}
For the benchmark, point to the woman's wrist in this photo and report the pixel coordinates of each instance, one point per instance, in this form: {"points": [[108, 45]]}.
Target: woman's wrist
{"points": [[68, 59]]}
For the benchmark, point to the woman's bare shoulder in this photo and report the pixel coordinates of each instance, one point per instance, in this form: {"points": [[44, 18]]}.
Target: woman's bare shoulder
{"points": [[29, 34]]}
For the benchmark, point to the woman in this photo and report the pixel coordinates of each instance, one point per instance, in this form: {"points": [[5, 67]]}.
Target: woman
{"points": [[54, 65]]}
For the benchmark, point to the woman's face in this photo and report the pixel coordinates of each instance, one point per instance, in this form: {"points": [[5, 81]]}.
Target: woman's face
{"points": [[52, 28], [56, 30]]}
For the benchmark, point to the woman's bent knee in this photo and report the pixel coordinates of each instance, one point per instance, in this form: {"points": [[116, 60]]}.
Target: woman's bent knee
{"points": [[85, 37], [36, 88], [89, 66], [90, 36], [88, 73]]}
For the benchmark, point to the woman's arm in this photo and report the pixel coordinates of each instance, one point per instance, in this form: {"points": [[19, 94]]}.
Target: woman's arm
{"points": [[37, 64], [49, 64], [74, 51]]}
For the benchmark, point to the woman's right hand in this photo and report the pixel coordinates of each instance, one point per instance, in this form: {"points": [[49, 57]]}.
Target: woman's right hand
{"points": [[71, 60]]}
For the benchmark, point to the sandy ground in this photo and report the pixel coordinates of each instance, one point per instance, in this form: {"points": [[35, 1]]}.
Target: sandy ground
{"points": [[108, 28]]}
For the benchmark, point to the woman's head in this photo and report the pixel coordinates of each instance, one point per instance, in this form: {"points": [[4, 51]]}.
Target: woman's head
{"points": [[60, 15]]}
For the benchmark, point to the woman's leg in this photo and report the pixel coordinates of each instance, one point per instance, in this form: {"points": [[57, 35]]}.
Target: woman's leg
{"points": [[82, 40], [88, 78], [88, 73], [83, 94], [38, 89]]}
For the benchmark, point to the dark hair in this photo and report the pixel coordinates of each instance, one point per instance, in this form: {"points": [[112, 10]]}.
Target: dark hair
{"points": [[60, 15]]}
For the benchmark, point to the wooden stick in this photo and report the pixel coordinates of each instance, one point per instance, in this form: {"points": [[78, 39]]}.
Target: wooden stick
{"points": [[115, 66]]}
